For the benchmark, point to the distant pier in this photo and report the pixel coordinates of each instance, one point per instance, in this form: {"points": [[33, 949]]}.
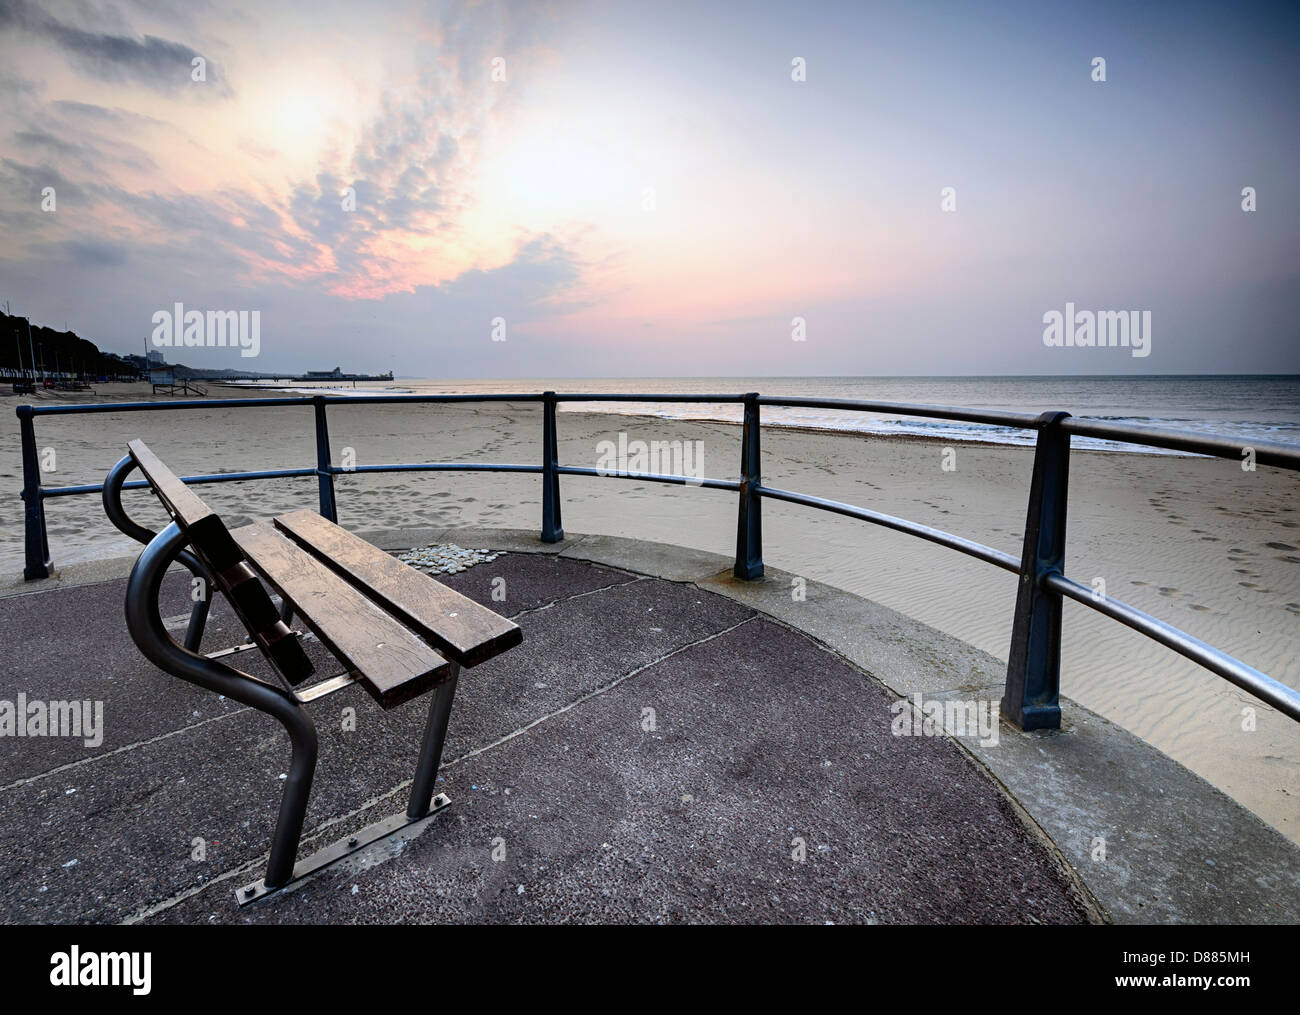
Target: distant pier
{"points": [[310, 377]]}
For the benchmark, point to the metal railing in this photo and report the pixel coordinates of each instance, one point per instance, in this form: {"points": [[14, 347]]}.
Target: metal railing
{"points": [[1031, 696]]}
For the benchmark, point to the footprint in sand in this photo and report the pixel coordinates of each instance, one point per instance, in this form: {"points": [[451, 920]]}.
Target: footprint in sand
{"points": [[1252, 585], [1293, 608], [1278, 546], [1166, 590], [1211, 539], [1288, 558], [1198, 608], [1246, 571], [1139, 583]]}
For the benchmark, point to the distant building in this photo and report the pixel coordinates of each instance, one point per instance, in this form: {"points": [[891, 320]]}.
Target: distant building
{"points": [[334, 374]]}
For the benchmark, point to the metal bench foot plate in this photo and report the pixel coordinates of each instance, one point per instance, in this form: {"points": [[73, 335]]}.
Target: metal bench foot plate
{"points": [[338, 850]]}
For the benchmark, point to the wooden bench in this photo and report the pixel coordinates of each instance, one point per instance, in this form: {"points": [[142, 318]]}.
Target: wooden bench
{"points": [[396, 631]]}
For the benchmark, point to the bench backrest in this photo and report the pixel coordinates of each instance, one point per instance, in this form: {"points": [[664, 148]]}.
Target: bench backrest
{"points": [[226, 563]]}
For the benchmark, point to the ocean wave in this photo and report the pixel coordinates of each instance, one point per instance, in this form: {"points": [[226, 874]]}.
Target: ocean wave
{"points": [[1245, 431]]}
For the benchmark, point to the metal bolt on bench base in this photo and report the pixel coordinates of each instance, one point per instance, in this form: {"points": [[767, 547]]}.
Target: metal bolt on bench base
{"points": [[339, 850]]}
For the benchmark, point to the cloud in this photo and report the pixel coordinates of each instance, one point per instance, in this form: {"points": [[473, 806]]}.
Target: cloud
{"points": [[84, 153], [158, 63], [46, 140], [24, 182], [11, 85], [120, 119], [92, 254], [268, 224]]}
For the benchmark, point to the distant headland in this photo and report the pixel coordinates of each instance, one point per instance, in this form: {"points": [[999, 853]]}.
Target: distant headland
{"points": [[31, 353]]}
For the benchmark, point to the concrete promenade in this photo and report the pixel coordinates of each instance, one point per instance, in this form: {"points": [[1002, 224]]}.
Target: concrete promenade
{"points": [[667, 745]]}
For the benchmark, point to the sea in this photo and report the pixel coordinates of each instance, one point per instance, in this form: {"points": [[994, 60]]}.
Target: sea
{"points": [[1245, 408]]}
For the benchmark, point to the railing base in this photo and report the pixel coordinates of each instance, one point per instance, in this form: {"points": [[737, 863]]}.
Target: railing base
{"points": [[32, 572], [1028, 720]]}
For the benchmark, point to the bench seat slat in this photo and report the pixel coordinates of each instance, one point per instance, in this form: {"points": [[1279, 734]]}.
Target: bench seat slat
{"points": [[393, 664], [459, 627]]}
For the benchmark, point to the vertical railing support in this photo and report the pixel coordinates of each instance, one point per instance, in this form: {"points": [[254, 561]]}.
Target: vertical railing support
{"points": [[37, 544], [1031, 699], [324, 464], [552, 526], [749, 516]]}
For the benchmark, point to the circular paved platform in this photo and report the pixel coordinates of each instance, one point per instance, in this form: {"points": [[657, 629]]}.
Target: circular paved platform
{"points": [[651, 753]]}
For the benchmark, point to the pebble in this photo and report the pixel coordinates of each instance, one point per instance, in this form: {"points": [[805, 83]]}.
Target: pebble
{"points": [[445, 558]]}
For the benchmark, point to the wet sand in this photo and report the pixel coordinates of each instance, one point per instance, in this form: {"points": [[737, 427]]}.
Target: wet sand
{"points": [[1197, 542]]}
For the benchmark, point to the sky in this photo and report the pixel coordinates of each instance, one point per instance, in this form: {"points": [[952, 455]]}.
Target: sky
{"points": [[658, 189]]}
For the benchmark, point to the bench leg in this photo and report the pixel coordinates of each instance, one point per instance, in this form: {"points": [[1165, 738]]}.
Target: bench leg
{"points": [[282, 871], [293, 809], [435, 732], [198, 621]]}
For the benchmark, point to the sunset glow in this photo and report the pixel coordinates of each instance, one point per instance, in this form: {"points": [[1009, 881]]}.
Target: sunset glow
{"points": [[592, 174]]}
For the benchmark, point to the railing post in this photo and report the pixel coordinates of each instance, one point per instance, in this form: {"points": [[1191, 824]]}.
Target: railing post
{"points": [[37, 560], [749, 517], [552, 527], [1031, 699], [324, 465]]}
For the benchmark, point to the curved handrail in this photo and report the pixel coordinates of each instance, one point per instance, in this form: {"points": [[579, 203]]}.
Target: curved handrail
{"points": [[1284, 456], [1038, 576], [969, 547], [993, 417], [150, 635], [1285, 699], [112, 498]]}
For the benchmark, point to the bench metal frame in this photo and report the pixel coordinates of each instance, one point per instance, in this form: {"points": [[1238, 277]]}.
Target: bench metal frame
{"points": [[145, 623]]}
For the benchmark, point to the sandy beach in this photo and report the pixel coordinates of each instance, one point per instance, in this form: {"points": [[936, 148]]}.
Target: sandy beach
{"points": [[1198, 542]]}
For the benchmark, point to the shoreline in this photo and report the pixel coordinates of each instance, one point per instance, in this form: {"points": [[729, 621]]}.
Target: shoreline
{"points": [[275, 391]]}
